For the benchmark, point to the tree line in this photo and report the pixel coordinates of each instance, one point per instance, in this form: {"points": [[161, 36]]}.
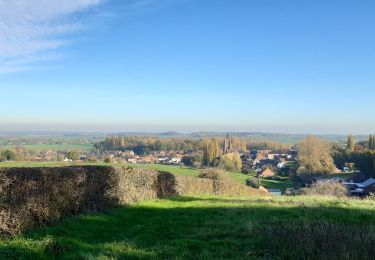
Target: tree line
{"points": [[319, 156], [359, 155], [144, 145]]}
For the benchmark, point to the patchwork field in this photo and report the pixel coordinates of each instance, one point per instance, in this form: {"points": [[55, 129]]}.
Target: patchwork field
{"points": [[209, 227]]}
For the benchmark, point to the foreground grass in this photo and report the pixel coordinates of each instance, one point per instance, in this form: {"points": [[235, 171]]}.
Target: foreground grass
{"points": [[210, 228]]}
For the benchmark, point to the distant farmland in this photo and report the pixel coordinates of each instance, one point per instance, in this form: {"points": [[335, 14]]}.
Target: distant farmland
{"points": [[54, 147]]}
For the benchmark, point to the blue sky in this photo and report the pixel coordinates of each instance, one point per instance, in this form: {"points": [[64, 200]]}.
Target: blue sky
{"points": [[296, 66]]}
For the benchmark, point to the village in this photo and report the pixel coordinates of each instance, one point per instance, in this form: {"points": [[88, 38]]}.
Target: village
{"points": [[277, 165]]}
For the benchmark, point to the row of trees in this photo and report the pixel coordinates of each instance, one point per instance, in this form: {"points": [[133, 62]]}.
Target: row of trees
{"points": [[359, 156], [143, 145], [351, 144], [318, 156], [21, 154], [363, 160]]}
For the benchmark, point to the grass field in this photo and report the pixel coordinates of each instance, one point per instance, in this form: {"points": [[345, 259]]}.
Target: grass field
{"points": [[210, 228], [54, 147]]}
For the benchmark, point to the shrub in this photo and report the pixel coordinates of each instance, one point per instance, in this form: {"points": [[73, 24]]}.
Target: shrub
{"points": [[334, 189], [92, 159], [252, 182], [31, 197], [214, 174], [137, 184], [246, 169], [7, 155], [193, 160], [108, 159], [34, 196], [73, 155]]}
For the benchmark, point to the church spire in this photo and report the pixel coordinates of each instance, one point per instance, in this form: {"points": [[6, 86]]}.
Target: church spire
{"points": [[227, 144]]}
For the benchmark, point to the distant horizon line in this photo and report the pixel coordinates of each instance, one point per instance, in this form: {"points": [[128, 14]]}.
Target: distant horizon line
{"points": [[170, 133]]}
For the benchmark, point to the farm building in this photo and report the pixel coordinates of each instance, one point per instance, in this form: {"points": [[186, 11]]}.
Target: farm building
{"points": [[267, 173], [364, 188]]}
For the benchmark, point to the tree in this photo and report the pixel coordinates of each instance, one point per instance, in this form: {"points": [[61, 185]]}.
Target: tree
{"points": [[211, 150], [231, 162], [239, 143], [371, 143], [365, 162], [73, 155], [7, 155], [192, 160], [350, 143], [315, 156]]}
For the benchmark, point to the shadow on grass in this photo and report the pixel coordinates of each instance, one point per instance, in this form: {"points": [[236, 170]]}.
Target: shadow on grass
{"points": [[209, 228]]}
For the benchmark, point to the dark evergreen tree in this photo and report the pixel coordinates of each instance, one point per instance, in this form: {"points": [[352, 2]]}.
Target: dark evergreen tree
{"points": [[350, 144], [371, 144]]}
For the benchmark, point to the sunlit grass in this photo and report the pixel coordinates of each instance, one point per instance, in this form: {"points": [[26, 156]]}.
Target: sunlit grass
{"points": [[208, 227]]}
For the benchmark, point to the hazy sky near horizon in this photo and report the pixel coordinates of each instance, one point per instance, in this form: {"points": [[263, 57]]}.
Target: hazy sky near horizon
{"points": [[297, 66]]}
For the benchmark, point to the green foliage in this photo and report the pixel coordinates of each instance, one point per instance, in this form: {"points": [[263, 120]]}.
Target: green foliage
{"points": [[73, 155], [364, 161], [350, 143], [253, 182], [247, 169], [192, 160], [7, 155], [143, 145]]}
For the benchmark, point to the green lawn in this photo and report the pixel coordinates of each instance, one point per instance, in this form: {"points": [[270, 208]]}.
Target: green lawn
{"points": [[209, 227], [281, 184]]}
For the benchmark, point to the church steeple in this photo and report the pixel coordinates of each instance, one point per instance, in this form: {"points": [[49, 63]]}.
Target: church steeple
{"points": [[227, 144]]}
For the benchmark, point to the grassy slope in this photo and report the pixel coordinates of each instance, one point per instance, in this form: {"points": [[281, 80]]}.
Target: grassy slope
{"points": [[209, 228]]}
